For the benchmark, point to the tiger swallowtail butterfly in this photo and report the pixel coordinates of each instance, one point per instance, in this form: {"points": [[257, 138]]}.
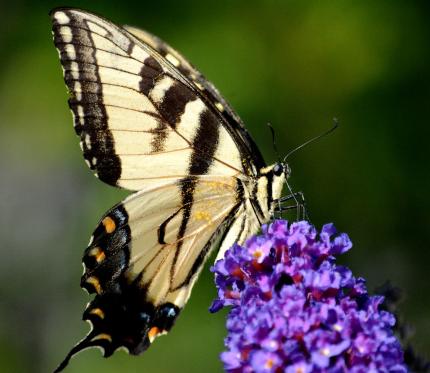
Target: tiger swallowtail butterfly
{"points": [[149, 122]]}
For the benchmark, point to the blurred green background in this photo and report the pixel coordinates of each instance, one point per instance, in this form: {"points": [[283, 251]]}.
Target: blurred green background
{"points": [[294, 64]]}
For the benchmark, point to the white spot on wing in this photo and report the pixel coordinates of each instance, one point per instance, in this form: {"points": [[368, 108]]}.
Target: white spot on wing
{"points": [[198, 85], [88, 141], [81, 114], [70, 51], [172, 59], [74, 70], [66, 33], [219, 106], [62, 18], [78, 92], [80, 111], [157, 93]]}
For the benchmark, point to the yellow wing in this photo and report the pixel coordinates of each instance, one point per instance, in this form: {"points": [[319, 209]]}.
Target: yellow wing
{"points": [[139, 118]]}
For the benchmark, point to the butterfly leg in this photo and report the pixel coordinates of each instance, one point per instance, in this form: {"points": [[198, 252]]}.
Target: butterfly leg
{"points": [[299, 205]]}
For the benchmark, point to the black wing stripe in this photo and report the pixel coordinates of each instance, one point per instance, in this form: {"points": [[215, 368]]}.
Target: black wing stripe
{"points": [[243, 233], [207, 140], [222, 231], [174, 102], [256, 205], [171, 108], [187, 186], [149, 73], [108, 165]]}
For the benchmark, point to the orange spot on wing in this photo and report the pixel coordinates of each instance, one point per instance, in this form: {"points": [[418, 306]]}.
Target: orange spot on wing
{"points": [[103, 336], [109, 224], [98, 253], [153, 332], [96, 284], [99, 312]]}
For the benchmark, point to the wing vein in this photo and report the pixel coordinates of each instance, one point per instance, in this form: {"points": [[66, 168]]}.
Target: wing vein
{"points": [[154, 153]]}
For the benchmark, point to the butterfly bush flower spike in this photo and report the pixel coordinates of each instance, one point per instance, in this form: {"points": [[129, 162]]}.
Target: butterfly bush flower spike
{"points": [[294, 310]]}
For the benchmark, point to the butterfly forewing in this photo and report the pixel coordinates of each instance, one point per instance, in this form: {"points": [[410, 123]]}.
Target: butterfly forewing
{"points": [[136, 115]]}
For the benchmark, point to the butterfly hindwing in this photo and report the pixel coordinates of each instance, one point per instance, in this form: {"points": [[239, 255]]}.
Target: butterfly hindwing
{"points": [[142, 274]]}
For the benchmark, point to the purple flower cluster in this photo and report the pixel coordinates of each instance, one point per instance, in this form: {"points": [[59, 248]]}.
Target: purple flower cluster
{"points": [[294, 310]]}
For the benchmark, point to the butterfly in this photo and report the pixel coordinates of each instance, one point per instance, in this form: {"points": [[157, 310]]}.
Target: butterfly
{"points": [[150, 123]]}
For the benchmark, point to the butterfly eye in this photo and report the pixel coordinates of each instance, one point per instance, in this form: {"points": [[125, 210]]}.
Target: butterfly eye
{"points": [[278, 169]]}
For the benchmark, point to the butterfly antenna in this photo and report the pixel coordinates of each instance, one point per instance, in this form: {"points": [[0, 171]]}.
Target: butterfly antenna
{"points": [[335, 125], [87, 342], [272, 131]]}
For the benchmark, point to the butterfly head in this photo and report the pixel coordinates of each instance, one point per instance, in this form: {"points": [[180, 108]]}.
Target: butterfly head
{"points": [[280, 172], [281, 168]]}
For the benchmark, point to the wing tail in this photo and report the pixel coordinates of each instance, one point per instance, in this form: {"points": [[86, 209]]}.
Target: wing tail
{"points": [[85, 343]]}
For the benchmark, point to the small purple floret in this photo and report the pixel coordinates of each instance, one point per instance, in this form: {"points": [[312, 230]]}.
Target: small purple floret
{"points": [[295, 310]]}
